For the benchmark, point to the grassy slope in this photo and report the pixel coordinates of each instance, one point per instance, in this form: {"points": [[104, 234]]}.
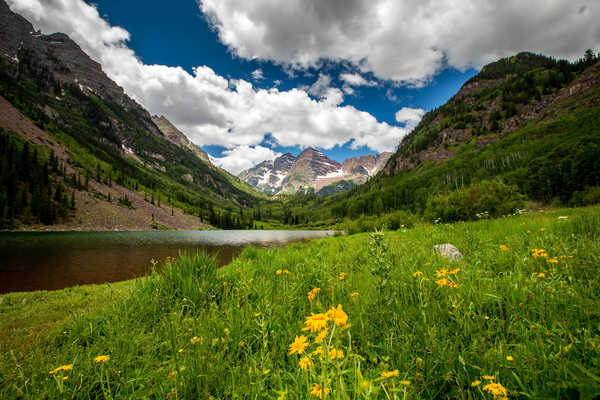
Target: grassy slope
{"points": [[245, 316]]}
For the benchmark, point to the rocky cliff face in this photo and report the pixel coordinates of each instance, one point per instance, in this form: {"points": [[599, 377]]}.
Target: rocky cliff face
{"points": [[312, 171], [55, 55], [502, 98], [268, 176], [177, 137]]}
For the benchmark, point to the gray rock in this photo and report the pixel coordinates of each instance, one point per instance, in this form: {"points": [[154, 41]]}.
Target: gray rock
{"points": [[448, 251]]}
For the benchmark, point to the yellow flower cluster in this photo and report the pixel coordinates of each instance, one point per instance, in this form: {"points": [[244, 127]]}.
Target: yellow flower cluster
{"points": [[504, 247], [418, 273], [318, 391], [342, 276], [541, 275], [336, 354], [354, 294], [496, 390], [317, 322], [536, 253], [313, 293], [102, 359], [283, 272], [390, 374], [67, 367], [446, 283], [444, 272]]}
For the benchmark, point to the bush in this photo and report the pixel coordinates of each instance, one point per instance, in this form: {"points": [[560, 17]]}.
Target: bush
{"points": [[489, 199], [589, 196]]}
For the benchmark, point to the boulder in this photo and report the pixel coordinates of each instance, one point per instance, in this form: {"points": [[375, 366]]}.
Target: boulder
{"points": [[448, 251]]}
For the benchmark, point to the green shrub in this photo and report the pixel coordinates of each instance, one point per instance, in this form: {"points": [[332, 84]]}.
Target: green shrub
{"points": [[486, 199]]}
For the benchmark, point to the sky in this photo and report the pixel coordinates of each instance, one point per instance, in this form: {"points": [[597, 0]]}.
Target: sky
{"points": [[250, 80]]}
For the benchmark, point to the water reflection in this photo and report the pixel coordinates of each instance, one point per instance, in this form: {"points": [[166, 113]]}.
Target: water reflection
{"points": [[55, 260]]}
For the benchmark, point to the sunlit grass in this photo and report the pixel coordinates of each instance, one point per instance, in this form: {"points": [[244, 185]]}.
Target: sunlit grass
{"points": [[506, 316]]}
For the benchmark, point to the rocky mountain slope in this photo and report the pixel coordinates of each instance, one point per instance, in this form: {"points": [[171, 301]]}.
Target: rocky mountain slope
{"points": [[106, 136], [504, 97], [174, 135], [525, 127], [312, 171]]}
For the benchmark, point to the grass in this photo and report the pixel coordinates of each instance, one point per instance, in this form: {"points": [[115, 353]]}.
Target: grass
{"points": [[193, 331]]}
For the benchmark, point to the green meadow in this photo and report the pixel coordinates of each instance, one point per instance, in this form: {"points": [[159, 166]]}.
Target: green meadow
{"points": [[517, 317]]}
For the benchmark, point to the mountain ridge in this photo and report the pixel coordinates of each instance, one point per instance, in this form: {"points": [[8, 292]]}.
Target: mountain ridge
{"points": [[108, 137], [312, 171]]}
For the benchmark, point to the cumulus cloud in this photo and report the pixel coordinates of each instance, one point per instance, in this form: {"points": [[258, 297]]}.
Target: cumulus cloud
{"points": [[405, 41], [410, 117], [356, 80], [257, 75], [208, 108], [241, 158]]}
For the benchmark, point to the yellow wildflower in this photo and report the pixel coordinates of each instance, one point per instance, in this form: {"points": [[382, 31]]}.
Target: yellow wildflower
{"points": [[453, 271], [509, 358], [64, 378], [195, 340], [103, 358], [313, 293], [336, 354], [539, 253], [180, 351], [305, 362], [321, 336], [504, 247], [317, 391], [342, 276], [496, 390], [338, 315], [354, 294], [476, 382], [542, 229], [365, 384], [67, 367], [299, 344], [553, 260], [441, 273], [405, 383], [486, 317], [316, 322], [489, 377], [418, 273], [279, 272], [257, 314], [541, 275], [318, 351], [390, 373]]}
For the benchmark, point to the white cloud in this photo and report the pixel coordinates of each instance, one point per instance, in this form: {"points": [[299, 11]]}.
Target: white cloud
{"points": [[241, 158], [405, 41], [209, 108], [356, 80], [257, 75], [410, 117]]}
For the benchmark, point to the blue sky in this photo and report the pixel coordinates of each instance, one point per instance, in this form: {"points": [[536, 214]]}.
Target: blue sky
{"points": [[250, 80], [185, 39]]}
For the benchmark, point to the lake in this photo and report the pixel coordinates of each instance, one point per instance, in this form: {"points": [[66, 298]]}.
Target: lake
{"points": [[55, 260]]}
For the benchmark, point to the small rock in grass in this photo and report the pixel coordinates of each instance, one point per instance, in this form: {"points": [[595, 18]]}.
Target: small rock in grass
{"points": [[448, 250]]}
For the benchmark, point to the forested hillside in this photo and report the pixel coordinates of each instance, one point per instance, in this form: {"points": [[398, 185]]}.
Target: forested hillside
{"points": [[108, 137], [524, 129]]}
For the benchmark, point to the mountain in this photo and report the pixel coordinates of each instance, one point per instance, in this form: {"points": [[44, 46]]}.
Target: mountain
{"points": [[524, 128], [140, 172], [312, 171], [269, 175], [174, 135]]}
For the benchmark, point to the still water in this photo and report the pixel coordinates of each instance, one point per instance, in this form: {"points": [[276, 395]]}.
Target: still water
{"points": [[55, 260]]}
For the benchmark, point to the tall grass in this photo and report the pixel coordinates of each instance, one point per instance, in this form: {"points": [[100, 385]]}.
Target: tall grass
{"points": [[192, 331]]}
